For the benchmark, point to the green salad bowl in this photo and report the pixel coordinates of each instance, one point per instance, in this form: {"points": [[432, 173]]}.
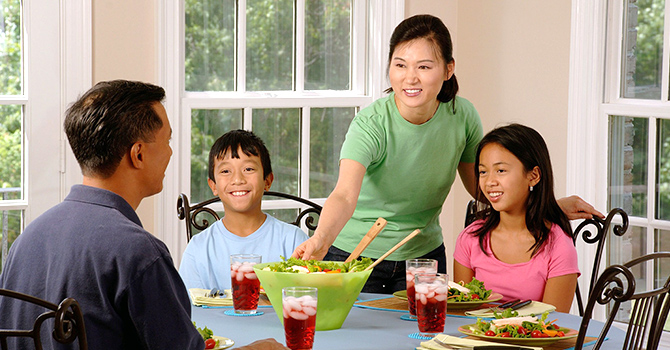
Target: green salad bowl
{"points": [[336, 294]]}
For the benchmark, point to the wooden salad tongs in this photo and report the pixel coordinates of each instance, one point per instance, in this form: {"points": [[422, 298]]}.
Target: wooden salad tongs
{"points": [[367, 239], [400, 244]]}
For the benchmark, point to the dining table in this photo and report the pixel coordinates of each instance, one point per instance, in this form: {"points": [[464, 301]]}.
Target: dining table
{"points": [[366, 327]]}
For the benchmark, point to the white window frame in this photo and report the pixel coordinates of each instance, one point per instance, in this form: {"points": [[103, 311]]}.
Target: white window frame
{"points": [[593, 96], [382, 15], [57, 67]]}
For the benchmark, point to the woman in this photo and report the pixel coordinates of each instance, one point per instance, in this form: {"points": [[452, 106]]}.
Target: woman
{"points": [[400, 158]]}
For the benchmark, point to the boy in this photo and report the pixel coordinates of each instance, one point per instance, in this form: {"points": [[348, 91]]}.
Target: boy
{"points": [[239, 173]]}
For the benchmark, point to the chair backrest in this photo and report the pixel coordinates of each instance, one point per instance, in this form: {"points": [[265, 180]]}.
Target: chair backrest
{"points": [[68, 321], [195, 216], [649, 308], [598, 237]]}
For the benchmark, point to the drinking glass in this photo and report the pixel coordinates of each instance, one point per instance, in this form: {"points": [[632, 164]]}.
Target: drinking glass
{"points": [[412, 267], [299, 307], [246, 286], [431, 302]]}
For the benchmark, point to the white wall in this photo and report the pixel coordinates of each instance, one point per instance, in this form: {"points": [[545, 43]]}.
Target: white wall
{"points": [[124, 47]]}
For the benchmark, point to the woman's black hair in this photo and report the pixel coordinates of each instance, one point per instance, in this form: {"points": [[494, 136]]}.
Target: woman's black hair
{"points": [[529, 147], [432, 29]]}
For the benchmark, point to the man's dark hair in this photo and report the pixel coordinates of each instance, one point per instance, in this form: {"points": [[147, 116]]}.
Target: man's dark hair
{"points": [[104, 123], [233, 140]]}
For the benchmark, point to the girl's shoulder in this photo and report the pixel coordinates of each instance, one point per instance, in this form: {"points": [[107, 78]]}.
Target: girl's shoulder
{"points": [[558, 237], [470, 231]]}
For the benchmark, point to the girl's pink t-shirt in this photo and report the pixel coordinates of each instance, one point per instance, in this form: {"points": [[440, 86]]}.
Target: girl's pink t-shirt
{"points": [[557, 257]]}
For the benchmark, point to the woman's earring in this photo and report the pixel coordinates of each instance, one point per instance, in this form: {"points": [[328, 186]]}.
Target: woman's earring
{"points": [[531, 188]]}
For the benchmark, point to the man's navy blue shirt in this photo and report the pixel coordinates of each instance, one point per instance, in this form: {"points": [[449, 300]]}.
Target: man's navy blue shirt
{"points": [[92, 247]]}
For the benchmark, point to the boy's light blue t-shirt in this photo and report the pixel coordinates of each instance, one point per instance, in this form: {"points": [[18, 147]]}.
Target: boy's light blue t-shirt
{"points": [[410, 170], [206, 260]]}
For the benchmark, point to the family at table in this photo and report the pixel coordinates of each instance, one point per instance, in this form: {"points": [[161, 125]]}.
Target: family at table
{"points": [[398, 161]]}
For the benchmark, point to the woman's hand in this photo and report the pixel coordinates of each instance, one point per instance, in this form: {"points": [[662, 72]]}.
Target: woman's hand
{"points": [[576, 208], [315, 248]]}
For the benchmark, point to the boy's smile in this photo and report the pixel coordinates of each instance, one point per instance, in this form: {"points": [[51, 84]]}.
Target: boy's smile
{"points": [[239, 183]]}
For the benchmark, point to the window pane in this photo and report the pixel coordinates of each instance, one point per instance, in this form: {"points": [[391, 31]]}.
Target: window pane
{"points": [[328, 45], [623, 249], [270, 45], [10, 151], [11, 222], [643, 49], [328, 128], [207, 126], [661, 272], [628, 164], [280, 130], [209, 61], [10, 47], [663, 171]]}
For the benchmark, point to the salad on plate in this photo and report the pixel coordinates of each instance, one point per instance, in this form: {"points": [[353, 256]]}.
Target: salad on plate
{"points": [[518, 327], [471, 291]]}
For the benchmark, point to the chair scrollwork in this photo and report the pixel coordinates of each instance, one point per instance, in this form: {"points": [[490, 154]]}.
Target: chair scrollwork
{"points": [[196, 216]]}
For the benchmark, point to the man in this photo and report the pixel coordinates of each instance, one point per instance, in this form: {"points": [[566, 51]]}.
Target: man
{"points": [[92, 247]]}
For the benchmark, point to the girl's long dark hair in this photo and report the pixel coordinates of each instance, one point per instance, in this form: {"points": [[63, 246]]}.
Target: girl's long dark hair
{"points": [[529, 147], [432, 29]]}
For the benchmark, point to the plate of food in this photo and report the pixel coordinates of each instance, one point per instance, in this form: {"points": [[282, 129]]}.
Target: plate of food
{"points": [[401, 294], [463, 296], [213, 342], [469, 295], [527, 330]]}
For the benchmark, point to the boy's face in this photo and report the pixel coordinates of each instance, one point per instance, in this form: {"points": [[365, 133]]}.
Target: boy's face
{"points": [[239, 182]]}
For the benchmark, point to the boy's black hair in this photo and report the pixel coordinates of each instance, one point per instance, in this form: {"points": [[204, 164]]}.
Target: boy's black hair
{"points": [[529, 147], [233, 140]]}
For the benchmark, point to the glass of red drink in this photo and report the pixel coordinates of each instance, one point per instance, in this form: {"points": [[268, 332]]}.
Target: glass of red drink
{"points": [[246, 286], [413, 267], [431, 302], [299, 307]]}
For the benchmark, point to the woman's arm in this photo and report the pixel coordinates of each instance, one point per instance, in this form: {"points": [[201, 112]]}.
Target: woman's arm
{"points": [[336, 211], [559, 291], [467, 174], [462, 273]]}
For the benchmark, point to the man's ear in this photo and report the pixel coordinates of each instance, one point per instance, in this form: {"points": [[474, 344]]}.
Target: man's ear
{"points": [[268, 181], [136, 155], [212, 186]]}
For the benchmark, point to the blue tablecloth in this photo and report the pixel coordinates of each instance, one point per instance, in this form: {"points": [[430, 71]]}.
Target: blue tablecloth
{"points": [[363, 329]]}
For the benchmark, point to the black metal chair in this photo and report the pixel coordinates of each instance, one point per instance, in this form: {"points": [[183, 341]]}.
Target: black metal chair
{"points": [[583, 230], [68, 321], [649, 308], [194, 215], [598, 237], [471, 212]]}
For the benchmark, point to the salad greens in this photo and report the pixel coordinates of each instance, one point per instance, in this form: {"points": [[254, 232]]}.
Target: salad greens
{"points": [[290, 264], [477, 292], [206, 333], [518, 327]]}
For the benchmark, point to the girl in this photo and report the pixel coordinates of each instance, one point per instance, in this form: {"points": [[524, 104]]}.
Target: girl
{"points": [[521, 246]]}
